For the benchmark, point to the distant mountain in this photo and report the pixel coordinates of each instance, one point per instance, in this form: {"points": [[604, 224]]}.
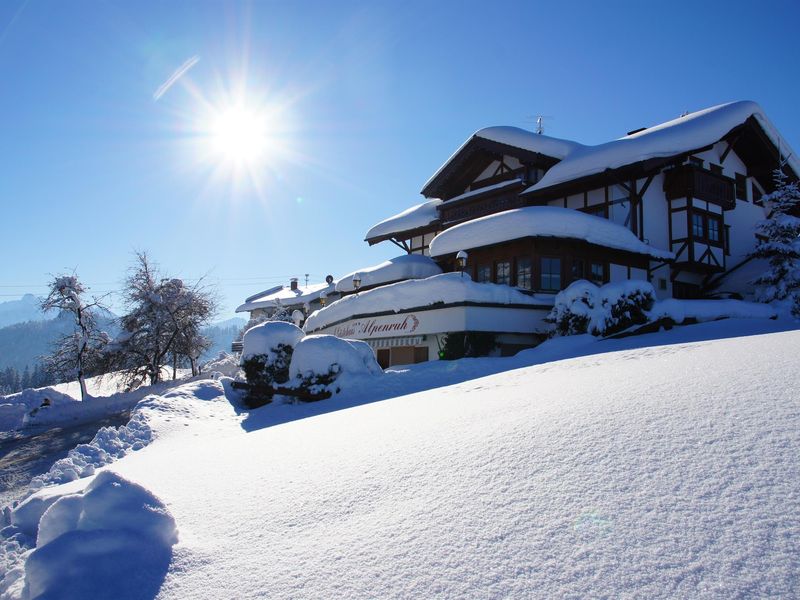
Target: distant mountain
{"points": [[21, 344], [24, 309], [221, 335]]}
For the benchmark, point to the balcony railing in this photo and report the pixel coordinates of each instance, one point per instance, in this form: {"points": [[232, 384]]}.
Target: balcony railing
{"points": [[693, 181]]}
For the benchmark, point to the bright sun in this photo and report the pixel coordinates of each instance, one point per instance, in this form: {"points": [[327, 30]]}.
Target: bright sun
{"points": [[240, 136]]}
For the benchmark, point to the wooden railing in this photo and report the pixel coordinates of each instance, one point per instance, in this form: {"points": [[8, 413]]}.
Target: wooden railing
{"points": [[696, 182]]}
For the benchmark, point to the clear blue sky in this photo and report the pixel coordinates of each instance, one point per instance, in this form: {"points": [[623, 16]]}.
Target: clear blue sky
{"points": [[372, 98]]}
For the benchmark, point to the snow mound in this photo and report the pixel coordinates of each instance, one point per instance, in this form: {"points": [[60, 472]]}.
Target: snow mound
{"points": [[225, 364], [710, 310], [266, 337], [16, 409], [415, 217], [408, 266], [115, 536], [446, 288], [112, 443], [541, 221], [318, 355]]}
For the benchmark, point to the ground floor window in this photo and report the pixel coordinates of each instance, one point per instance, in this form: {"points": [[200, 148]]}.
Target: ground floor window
{"points": [[577, 270], [503, 273], [597, 273], [483, 274], [524, 273], [551, 273]]}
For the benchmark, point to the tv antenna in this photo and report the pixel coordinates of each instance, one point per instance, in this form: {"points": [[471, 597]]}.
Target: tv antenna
{"points": [[539, 120]]}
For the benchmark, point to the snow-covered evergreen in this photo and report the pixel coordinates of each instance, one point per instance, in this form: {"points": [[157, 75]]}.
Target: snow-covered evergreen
{"points": [[779, 244]]}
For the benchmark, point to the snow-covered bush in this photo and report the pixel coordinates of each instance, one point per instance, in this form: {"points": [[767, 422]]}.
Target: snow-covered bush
{"points": [[624, 304], [574, 308], [319, 360], [584, 308], [267, 351]]}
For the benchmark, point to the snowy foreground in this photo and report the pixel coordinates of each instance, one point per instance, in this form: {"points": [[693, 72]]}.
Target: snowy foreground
{"points": [[656, 466]]}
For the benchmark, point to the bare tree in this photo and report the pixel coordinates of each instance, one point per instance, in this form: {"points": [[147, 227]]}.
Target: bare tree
{"points": [[164, 321], [74, 353]]}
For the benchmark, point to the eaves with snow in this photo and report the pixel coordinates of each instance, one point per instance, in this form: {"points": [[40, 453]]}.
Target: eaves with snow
{"points": [[541, 221], [285, 296], [416, 217], [407, 266], [445, 289]]}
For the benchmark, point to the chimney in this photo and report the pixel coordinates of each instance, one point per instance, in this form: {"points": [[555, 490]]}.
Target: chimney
{"points": [[293, 283]]}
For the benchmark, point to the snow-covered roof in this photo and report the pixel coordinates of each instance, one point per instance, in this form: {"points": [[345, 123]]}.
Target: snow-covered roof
{"points": [[408, 266], [286, 296], [415, 217], [517, 138], [446, 288], [541, 221], [483, 190], [684, 134]]}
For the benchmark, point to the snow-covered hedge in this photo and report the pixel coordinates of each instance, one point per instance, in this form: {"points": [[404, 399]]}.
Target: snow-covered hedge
{"points": [[584, 307], [319, 360], [267, 351]]}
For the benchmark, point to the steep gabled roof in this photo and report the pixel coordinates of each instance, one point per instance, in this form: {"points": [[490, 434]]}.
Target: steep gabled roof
{"points": [[500, 140], [416, 217]]}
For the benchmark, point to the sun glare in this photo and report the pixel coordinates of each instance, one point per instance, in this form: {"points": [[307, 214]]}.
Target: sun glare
{"points": [[240, 136]]}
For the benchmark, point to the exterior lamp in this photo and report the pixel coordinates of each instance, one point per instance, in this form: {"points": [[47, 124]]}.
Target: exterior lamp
{"points": [[323, 297], [356, 282], [461, 261]]}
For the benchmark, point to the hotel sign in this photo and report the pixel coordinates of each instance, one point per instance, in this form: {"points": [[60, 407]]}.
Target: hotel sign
{"points": [[377, 327]]}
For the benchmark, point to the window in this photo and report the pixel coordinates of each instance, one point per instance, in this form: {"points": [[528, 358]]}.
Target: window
{"points": [[503, 270], [741, 187], [697, 162], [662, 283], [483, 274], [551, 273], [715, 169], [524, 279], [697, 225], [597, 273], [713, 229], [576, 272]]}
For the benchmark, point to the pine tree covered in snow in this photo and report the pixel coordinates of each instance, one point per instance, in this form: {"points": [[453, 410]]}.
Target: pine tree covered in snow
{"points": [[77, 353], [779, 244]]}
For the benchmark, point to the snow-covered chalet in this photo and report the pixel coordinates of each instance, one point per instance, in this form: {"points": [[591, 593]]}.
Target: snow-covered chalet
{"points": [[674, 204]]}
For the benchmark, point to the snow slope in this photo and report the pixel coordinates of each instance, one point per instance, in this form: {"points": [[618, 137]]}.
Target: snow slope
{"points": [[658, 471]]}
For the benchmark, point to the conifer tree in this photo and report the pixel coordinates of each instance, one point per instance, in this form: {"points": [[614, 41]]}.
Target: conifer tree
{"points": [[779, 245]]}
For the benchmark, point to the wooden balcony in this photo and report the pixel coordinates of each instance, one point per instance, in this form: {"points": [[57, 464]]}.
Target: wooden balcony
{"points": [[695, 182]]}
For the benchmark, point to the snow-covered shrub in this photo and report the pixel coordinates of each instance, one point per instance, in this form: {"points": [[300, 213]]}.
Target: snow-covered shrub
{"points": [[624, 304], [319, 360], [584, 308], [574, 308], [267, 351]]}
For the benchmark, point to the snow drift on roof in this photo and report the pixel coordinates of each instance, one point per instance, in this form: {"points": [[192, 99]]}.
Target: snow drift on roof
{"points": [[446, 288], [417, 216], [518, 138], [684, 134], [286, 296], [540, 221], [408, 266]]}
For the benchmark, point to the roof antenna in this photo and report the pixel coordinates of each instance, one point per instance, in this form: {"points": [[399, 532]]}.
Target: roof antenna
{"points": [[306, 279], [539, 119]]}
